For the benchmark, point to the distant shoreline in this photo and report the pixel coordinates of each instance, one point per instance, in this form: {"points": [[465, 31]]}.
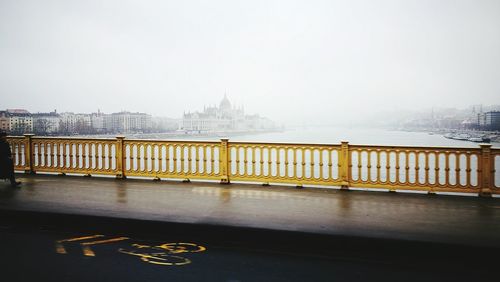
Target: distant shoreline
{"points": [[494, 136], [174, 134]]}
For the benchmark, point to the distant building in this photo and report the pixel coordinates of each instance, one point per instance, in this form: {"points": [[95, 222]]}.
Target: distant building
{"points": [[163, 124], [46, 123], [97, 122], [20, 121], [4, 121], [256, 122], [127, 122], [72, 123], [223, 118], [489, 120]]}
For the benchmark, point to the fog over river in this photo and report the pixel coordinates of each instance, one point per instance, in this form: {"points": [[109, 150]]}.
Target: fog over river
{"points": [[330, 135]]}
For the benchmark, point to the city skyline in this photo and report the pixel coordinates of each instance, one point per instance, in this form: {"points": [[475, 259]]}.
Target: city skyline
{"points": [[223, 118], [228, 117]]}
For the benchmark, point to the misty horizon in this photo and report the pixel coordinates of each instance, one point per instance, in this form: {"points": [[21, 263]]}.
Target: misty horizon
{"points": [[389, 118], [293, 61]]}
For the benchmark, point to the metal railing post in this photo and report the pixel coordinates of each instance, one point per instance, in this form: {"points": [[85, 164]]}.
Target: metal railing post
{"points": [[224, 161], [486, 171], [120, 167], [344, 165], [28, 153]]}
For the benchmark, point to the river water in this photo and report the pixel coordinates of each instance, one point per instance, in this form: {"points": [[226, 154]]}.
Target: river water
{"points": [[333, 135]]}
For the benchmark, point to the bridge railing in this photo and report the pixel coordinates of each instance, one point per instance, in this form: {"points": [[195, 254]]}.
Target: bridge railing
{"points": [[417, 168], [297, 164], [431, 169]]}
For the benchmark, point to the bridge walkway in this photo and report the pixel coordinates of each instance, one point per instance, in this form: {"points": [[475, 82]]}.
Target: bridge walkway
{"points": [[461, 220]]}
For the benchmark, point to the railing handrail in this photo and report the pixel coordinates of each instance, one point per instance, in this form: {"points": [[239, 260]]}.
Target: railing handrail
{"points": [[352, 146], [284, 144], [452, 169], [73, 138], [416, 148], [172, 141]]}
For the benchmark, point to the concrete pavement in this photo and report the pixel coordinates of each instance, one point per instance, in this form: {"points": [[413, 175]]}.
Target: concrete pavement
{"points": [[411, 217]]}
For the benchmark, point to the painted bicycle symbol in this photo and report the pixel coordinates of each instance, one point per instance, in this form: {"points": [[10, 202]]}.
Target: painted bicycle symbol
{"points": [[166, 254]]}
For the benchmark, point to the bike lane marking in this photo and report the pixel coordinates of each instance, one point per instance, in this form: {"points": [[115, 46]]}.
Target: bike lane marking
{"points": [[165, 254], [87, 251], [60, 247]]}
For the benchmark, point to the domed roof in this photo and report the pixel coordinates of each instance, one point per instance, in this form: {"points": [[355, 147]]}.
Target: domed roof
{"points": [[225, 104]]}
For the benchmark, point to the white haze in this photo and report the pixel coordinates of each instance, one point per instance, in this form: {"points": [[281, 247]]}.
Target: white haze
{"points": [[292, 61]]}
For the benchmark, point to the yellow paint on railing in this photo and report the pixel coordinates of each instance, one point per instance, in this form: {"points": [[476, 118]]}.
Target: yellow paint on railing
{"points": [[432, 169], [416, 168], [283, 163]]}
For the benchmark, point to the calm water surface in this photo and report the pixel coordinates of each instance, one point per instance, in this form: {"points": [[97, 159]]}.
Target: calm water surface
{"points": [[334, 135]]}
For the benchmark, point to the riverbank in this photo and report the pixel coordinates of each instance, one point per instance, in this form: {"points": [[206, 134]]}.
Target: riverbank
{"points": [[183, 135], [478, 136]]}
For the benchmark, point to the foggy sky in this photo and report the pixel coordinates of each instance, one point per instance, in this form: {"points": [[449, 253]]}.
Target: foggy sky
{"points": [[287, 60]]}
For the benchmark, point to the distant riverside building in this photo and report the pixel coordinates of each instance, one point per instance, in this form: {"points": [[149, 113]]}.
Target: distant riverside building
{"points": [[4, 121], [163, 124], [127, 122], [224, 118], [97, 122], [19, 121], [489, 120], [72, 123], [46, 123], [16, 121]]}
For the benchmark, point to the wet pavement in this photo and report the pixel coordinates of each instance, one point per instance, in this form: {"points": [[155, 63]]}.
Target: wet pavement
{"points": [[410, 217]]}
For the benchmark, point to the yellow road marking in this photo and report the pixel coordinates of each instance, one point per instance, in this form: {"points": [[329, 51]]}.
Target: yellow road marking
{"points": [[158, 258], [60, 249], [139, 246], [177, 248], [183, 261], [85, 246], [145, 255], [104, 241], [79, 238], [165, 259], [88, 252]]}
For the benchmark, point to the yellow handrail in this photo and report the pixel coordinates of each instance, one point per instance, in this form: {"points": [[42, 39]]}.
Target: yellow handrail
{"points": [[431, 169]]}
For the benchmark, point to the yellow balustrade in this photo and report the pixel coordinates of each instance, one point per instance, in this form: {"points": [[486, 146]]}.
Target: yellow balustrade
{"points": [[491, 162], [18, 148], [171, 159], [297, 164], [73, 155], [431, 169]]}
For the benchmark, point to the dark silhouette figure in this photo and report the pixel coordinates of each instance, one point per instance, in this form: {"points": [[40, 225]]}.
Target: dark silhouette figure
{"points": [[6, 163]]}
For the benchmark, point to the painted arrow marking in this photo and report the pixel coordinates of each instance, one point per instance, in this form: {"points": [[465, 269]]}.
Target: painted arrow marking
{"points": [[87, 251]]}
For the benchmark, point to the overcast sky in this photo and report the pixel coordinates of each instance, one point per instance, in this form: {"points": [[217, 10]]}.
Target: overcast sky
{"points": [[288, 60]]}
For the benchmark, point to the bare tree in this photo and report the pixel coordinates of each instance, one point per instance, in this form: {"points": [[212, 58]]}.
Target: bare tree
{"points": [[64, 128], [20, 129], [42, 126], [82, 127]]}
